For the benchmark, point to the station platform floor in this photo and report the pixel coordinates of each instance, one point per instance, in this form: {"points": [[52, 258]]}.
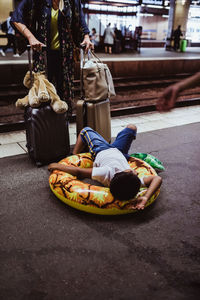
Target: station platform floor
{"points": [[153, 53], [14, 143], [50, 250], [146, 53]]}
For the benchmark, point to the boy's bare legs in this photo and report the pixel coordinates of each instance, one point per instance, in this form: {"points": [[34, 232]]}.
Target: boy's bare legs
{"points": [[80, 146], [132, 126]]}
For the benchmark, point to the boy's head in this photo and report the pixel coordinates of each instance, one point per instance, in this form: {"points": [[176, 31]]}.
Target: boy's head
{"points": [[125, 185]]}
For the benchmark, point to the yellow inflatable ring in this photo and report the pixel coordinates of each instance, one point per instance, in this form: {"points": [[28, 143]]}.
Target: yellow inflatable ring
{"points": [[91, 198]]}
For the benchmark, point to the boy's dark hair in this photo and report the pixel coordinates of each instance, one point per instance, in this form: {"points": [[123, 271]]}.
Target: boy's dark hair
{"points": [[125, 185]]}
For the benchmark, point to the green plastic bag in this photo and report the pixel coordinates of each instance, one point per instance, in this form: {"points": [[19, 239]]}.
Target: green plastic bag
{"points": [[183, 45], [150, 159]]}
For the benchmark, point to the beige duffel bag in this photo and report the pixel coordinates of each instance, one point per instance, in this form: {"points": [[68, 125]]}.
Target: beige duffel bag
{"points": [[96, 79]]}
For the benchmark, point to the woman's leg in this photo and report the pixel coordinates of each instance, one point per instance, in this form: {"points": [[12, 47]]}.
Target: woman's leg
{"points": [[55, 73]]}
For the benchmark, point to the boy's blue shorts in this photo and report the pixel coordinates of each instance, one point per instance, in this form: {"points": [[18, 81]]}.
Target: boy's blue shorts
{"points": [[97, 143]]}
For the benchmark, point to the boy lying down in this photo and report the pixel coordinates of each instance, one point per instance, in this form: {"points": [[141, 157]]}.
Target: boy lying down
{"points": [[111, 167]]}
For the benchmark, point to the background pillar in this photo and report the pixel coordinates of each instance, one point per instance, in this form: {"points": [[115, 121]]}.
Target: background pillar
{"points": [[178, 15], [5, 7]]}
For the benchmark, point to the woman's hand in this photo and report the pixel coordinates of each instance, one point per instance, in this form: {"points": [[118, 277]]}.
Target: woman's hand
{"points": [[88, 44], [35, 44]]}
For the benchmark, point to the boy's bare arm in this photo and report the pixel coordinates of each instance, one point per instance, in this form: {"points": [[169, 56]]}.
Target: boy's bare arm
{"points": [[75, 171], [153, 183]]}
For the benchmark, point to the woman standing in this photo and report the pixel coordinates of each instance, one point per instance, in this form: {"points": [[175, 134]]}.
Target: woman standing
{"points": [[108, 39], [58, 24]]}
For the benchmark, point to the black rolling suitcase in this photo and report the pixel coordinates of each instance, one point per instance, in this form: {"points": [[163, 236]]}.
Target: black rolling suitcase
{"points": [[95, 114], [47, 132]]}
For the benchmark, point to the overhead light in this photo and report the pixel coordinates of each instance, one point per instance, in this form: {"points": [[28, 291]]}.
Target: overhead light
{"points": [[127, 1], [153, 6], [145, 15], [181, 1]]}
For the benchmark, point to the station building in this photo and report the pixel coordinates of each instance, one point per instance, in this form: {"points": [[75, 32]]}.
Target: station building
{"points": [[157, 17]]}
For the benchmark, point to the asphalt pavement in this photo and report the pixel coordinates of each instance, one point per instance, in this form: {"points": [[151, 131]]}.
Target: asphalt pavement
{"points": [[51, 251]]}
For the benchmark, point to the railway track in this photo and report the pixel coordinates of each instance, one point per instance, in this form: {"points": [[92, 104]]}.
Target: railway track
{"points": [[132, 96]]}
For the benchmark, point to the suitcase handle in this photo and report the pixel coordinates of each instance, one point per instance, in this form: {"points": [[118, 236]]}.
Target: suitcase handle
{"points": [[83, 54], [44, 47], [30, 54], [82, 48], [82, 62]]}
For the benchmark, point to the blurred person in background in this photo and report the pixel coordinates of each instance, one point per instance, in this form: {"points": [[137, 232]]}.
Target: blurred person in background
{"points": [[177, 36], [168, 98], [118, 40], [10, 33], [109, 37], [93, 37]]}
